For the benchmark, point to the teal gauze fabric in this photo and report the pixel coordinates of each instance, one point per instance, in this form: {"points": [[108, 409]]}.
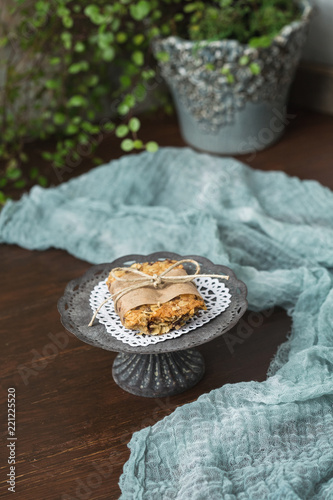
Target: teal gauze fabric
{"points": [[269, 440]]}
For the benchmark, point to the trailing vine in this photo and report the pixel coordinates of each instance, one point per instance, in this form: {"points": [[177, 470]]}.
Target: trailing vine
{"points": [[76, 71]]}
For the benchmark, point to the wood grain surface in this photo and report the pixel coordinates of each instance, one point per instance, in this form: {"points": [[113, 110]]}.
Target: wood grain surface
{"points": [[72, 421]]}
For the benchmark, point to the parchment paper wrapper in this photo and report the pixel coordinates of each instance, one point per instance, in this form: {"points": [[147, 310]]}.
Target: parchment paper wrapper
{"points": [[149, 294]]}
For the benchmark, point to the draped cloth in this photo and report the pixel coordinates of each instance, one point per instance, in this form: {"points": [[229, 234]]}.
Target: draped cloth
{"points": [[251, 440]]}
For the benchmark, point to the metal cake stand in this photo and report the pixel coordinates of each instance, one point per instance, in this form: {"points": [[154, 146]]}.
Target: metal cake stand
{"points": [[156, 370]]}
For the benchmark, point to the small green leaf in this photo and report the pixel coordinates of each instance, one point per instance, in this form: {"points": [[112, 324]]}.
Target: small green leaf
{"points": [[98, 161], [115, 24], [154, 31], [23, 157], [157, 14], [152, 146], [134, 124], [137, 144], [244, 60], [230, 78], [125, 81], [121, 130], [138, 57], [165, 29], [92, 80], [20, 184], [140, 92], [260, 41], [42, 6], [42, 180], [97, 18], [123, 109], [59, 118], [129, 100], [76, 120], [91, 10], [62, 11], [52, 84], [121, 37], [140, 10], [127, 145], [210, 67], [69, 144], [14, 173], [66, 38], [147, 74], [47, 156], [104, 40], [225, 70], [108, 54], [3, 198], [79, 47], [108, 126], [71, 129], [3, 182], [90, 128], [76, 101], [255, 68], [67, 22], [162, 56], [178, 17], [138, 39], [33, 173], [55, 60], [79, 66], [191, 7]]}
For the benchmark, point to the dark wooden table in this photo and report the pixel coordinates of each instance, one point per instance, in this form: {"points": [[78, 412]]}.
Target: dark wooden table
{"points": [[72, 421]]}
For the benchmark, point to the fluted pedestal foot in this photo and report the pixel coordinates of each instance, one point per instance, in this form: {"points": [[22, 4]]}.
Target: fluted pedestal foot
{"points": [[158, 375]]}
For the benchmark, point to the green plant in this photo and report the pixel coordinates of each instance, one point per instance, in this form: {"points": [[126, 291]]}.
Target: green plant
{"points": [[253, 22], [86, 66], [76, 70]]}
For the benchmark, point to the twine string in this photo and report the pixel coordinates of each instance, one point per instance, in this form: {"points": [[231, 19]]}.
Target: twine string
{"points": [[154, 280]]}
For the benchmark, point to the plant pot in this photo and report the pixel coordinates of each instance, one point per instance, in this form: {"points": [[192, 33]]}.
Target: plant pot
{"points": [[243, 108]]}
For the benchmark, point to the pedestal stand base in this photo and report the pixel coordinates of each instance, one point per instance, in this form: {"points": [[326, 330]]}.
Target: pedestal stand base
{"points": [[158, 375]]}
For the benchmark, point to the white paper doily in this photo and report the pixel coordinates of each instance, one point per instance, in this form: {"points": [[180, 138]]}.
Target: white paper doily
{"points": [[214, 292]]}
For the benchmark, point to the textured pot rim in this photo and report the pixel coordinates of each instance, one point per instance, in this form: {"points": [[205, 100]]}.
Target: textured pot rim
{"points": [[307, 11]]}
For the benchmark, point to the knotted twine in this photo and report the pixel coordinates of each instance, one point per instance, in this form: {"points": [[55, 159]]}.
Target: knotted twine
{"points": [[154, 280]]}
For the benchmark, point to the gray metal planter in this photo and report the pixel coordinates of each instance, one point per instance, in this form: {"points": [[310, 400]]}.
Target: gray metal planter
{"points": [[233, 114]]}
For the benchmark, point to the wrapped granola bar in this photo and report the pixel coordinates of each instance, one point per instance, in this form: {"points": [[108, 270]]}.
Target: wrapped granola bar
{"points": [[156, 311]]}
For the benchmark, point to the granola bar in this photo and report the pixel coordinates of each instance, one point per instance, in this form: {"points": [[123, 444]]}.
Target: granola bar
{"points": [[156, 319]]}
